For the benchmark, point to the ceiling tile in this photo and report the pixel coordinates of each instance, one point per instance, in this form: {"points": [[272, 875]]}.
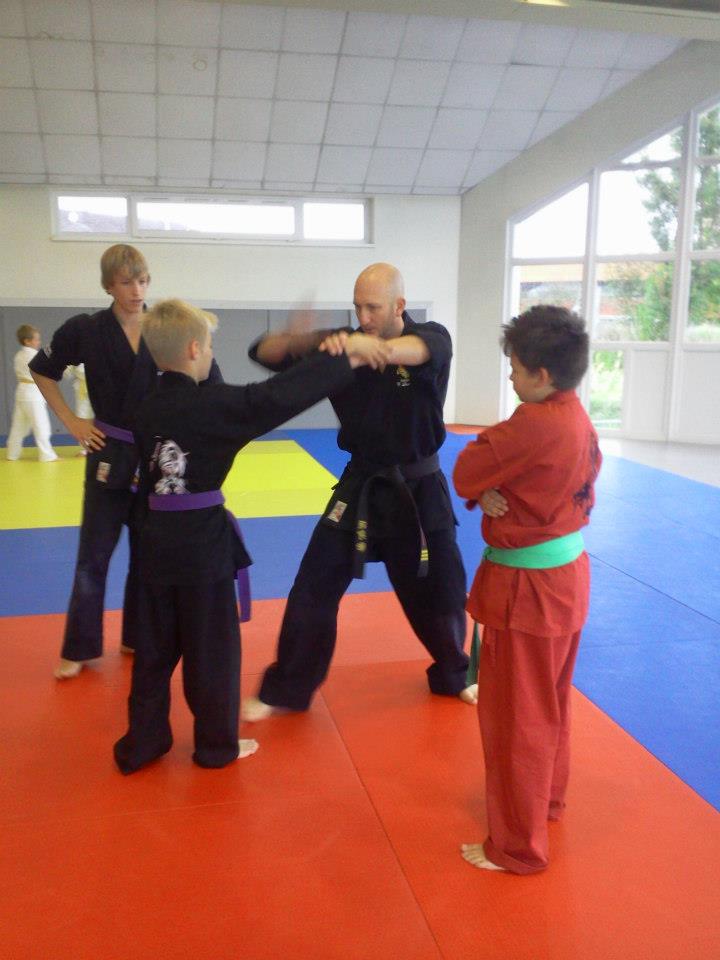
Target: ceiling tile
{"points": [[418, 82], [188, 23], [473, 85], [548, 123], [295, 121], [12, 22], [373, 34], [67, 111], [335, 187], [67, 179], [18, 113], [179, 182], [524, 88], [488, 41], [595, 48], [187, 70], [392, 167], [313, 31], [251, 27], [617, 79], [540, 45], [21, 153], [405, 126], [486, 162], [129, 156], [184, 158], [288, 186], [15, 64], [127, 114], [353, 123], [125, 181], [238, 161], [237, 119], [642, 51], [305, 76], [457, 129], [343, 164], [443, 168], [189, 118], [72, 155], [25, 178], [363, 80], [247, 74], [577, 89], [508, 129], [223, 184], [435, 191], [125, 68], [62, 64], [292, 162], [69, 20], [124, 21], [431, 38]]}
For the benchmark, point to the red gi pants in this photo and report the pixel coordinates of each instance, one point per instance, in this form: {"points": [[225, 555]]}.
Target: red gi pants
{"points": [[524, 709]]}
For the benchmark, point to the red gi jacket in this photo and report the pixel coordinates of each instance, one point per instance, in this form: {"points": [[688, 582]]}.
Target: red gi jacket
{"points": [[544, 460]]}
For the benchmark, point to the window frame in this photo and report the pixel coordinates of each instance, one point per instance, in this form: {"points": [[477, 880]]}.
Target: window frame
{"points": [[135, 233], [682, 256]]}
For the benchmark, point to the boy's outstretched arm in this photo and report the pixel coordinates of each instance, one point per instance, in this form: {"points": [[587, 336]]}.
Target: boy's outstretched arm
{"points": [[276, 348]]}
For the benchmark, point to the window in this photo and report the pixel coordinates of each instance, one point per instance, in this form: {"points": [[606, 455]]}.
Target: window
{"points": [[636, 250], [249, 219], [92, 214]]}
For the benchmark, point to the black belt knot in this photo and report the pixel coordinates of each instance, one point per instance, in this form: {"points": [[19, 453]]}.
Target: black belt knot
{"points": [[396, 474]]}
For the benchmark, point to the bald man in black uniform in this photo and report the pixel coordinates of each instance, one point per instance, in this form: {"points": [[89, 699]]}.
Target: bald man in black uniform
{"points": [[391, 504]]}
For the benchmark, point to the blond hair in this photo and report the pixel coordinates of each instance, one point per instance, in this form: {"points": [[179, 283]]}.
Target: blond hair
{"points": [[119, 257], [170, 326], [25, 332]]}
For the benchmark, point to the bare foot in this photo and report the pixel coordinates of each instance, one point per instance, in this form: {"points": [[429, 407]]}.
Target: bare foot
{"points": [[474, 853], [469, 694], [253, 709], [67, 669], [246, 748]]}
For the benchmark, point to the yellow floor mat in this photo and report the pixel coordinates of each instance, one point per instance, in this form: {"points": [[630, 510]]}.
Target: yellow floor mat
{"points": [[270, 478]]}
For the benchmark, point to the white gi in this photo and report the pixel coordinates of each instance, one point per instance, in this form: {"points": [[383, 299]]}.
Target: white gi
{"points": [[30, 411]]}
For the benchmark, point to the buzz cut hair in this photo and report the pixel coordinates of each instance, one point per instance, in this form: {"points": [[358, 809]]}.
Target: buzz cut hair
{"points": [[121, 257], [551, 337], [25, 332], [170, 326]]}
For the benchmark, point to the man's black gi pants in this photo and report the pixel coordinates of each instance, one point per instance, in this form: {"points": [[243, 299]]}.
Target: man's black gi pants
{"points": [[434, 605], [200, 624], [104, 513]]}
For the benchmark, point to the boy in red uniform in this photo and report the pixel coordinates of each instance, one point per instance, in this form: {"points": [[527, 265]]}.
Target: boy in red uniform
{"points": [[533, 475]]}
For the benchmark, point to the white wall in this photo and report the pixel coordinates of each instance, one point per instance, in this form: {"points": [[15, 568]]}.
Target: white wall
{"points": [[418, 234], [654, 100]]}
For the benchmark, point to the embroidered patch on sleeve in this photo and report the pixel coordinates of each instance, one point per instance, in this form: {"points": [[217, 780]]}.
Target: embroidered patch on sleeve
{"points": [[337, 511]]}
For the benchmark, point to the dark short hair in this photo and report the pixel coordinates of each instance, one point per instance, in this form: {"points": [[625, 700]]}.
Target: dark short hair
{"points": [[549, 337]]}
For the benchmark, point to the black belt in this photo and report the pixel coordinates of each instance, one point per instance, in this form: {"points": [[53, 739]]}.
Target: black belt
{"points": [[396, 475]]}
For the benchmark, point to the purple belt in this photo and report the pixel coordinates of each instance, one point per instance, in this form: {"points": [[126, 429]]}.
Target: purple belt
{"points": [[173, 503], [117, 433]]}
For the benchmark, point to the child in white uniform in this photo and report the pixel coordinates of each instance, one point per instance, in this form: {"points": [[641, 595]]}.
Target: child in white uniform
{"points": [[30, 411]]}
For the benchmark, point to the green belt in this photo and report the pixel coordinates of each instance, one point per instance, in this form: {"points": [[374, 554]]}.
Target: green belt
{"points": [[540, 556]]}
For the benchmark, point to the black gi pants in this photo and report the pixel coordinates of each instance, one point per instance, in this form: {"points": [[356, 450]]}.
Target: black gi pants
{"points": [[104, 513], [434, 605], [200, 624]]}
